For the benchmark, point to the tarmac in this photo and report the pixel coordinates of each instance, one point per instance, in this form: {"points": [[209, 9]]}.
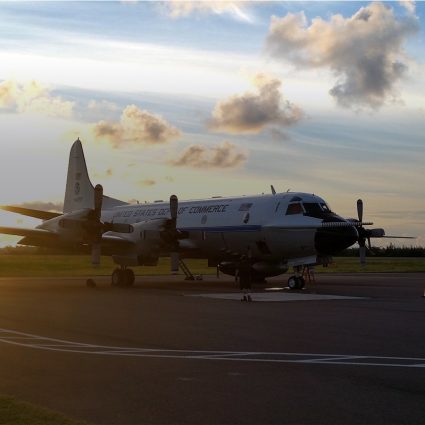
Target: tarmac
{"points": [[349, 349]]}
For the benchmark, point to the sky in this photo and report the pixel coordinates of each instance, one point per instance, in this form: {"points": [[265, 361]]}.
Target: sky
{"points": [[215, 98]]}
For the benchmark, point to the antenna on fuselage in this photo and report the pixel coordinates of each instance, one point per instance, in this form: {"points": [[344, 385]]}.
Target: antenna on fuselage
{"points": [[273, 190]]}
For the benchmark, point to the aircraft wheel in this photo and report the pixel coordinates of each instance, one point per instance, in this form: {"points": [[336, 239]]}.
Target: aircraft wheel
{"points": [[292, 282], [129, 277], [116, 278], [296, 282]]}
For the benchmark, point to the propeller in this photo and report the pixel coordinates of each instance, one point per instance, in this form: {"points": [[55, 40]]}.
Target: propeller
{"points": [[92, 226], [174, 254], [95, 226], [361, 230], [365, 234]]}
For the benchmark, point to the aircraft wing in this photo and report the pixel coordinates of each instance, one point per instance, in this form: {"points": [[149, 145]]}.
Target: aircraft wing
{"points": [[39, 237], [43, 215], [19, 231], [32, 237]]}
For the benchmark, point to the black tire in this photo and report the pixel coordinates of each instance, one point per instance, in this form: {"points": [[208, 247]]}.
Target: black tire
{"points": [[116, 277], [296, 282], [292, 283]]}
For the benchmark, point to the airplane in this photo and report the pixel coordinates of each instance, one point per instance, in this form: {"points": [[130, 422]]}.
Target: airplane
{"points": [[274, 231]]}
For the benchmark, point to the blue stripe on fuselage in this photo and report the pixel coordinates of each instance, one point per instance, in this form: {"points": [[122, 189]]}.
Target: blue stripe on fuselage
{"points": [[246, 228]]}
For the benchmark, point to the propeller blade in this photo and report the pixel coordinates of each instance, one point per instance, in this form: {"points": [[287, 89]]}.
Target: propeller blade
{"points": [[95, 254], [273, 189], [362, 253], [174, 206], [360, 210], [97, 226], [98, 199], [174, 262]]}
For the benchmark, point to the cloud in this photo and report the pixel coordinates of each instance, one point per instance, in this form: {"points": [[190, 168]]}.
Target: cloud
{"points": [[364, 51], [43, 206], [224, 155], [136, 126], [409, 5], [252, 112], [33, 97], [146, 182], [180, 9], [107, 173], [102, 105]]}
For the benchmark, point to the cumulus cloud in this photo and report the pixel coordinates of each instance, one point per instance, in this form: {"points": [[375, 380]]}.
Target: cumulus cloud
{"points": [[252, 112], [224, 155], [136, 126], [364, 51], [33, 97], [409, 5], [236, 9]]}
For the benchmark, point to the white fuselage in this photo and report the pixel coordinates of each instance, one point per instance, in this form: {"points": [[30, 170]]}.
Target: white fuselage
{"points": [[232, 225]]}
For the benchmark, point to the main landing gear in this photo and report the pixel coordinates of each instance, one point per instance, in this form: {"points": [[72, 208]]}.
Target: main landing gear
{"points": [[122, 277], [296, 281]]}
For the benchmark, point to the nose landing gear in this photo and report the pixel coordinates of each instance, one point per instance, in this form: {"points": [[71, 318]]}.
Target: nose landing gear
{"points": [[296, 281]]}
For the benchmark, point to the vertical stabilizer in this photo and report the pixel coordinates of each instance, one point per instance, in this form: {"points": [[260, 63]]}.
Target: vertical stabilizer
{"points": [[79, 192]]}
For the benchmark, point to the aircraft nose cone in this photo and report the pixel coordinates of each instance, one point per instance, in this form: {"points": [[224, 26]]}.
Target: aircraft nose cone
{"points": [[332, 241]]}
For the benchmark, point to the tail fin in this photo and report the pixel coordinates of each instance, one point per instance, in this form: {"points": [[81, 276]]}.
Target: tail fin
{"points": [[79, 192]]}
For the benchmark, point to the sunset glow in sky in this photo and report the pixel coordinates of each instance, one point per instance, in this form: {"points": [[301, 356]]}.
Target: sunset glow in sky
{"points": [[217, 98]]}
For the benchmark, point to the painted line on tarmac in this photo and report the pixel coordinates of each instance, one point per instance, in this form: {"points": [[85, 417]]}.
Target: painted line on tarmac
{"points": [[274, 296], [27, 340]]}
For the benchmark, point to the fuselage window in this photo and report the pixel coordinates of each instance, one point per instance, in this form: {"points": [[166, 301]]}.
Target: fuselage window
{"points": [[295, 208]]}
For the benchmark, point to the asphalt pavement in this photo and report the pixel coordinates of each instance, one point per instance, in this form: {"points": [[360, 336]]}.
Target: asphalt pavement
{"points": [[349, 349]]}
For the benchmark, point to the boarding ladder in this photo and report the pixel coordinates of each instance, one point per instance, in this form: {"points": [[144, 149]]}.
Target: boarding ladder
{"points": [[186, 271]]}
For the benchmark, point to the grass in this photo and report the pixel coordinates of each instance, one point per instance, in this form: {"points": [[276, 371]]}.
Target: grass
{"points": [[16, 412], [375, 265], [75, 265]]}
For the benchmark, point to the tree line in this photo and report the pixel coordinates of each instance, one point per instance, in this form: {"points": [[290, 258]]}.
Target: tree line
{"points": [[388, 251]]}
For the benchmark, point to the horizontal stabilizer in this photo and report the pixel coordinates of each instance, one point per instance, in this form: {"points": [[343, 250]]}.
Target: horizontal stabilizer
{"points": [[43, 215]]}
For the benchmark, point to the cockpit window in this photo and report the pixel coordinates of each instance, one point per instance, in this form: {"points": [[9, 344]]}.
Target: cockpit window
{"points": [[313, 209], [325, 208], [295, 198], [295, 208]]}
